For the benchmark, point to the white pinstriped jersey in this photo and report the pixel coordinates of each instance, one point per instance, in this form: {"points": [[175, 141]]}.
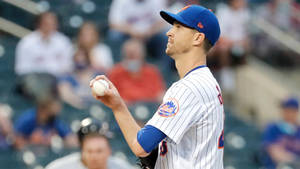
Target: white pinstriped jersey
{"points": [[192, 117]]}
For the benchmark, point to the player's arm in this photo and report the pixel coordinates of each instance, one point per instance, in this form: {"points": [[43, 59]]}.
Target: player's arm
{"points": [[140, 140], [129, 128], [136, 137]]}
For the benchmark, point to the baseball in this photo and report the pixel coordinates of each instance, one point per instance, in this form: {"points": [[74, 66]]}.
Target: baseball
{"points": [[99, 87]]}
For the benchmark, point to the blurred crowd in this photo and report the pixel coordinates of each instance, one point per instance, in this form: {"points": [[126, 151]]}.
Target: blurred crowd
{"points": [[281, 140], [54, 70]]}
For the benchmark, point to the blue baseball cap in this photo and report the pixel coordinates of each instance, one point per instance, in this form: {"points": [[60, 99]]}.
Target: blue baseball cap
{"points": [[290, 103], [196, 17]]}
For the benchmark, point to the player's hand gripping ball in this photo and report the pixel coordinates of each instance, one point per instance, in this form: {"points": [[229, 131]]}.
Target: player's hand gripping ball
{"points": [[99, 87]]}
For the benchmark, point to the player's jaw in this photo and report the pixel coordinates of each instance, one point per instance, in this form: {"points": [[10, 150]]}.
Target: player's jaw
{"points": [[169, 48], [170, 45]]}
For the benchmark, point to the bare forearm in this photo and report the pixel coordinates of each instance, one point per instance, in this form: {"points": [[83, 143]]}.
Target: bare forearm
{"points": [[129, 128], [128, 125]]}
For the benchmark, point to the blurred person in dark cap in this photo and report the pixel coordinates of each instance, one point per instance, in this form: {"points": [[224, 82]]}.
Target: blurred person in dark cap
{"points": [[95, 150], [38, 125], [281, 139]]}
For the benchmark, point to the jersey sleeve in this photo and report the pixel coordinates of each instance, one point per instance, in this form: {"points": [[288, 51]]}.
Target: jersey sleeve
{"points": [[177, 113]]}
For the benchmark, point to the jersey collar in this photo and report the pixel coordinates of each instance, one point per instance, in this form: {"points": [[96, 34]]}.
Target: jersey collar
{"points": [[198, 67]]}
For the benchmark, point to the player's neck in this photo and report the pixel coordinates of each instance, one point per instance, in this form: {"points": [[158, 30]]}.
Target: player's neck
{"points": [[189, 61]]}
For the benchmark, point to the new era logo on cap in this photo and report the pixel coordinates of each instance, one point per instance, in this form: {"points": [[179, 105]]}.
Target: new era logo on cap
{"points": [[200, 25], [196, 17]]}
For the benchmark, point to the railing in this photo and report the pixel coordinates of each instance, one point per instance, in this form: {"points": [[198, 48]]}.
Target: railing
{"points": [[259, 87], [259, 90], [278, 35], [26, 5], [12, 28]]}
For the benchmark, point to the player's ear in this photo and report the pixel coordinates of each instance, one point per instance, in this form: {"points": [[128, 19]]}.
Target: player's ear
{"points": [[198, 38]]}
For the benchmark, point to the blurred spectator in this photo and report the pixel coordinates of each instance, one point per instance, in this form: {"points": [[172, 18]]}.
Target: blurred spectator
{"points": [[74, 88], [139, 19], [234, 20], [39, 125], [45, 49], [98, 55], [233, 44], [282, 139], [282, 13], [136, 80], [95, 151], [6, 129], [91, 57]]}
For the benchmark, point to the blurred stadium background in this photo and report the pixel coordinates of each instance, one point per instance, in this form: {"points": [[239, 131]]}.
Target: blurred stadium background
{"points": [[256, 84]]}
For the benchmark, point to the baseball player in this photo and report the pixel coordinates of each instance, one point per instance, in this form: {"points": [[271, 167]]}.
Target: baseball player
{"points": [[188, 126], [95, 152]]}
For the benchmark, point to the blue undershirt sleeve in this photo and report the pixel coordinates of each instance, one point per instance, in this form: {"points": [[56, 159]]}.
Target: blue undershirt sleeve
{"points": [[149, 137]]}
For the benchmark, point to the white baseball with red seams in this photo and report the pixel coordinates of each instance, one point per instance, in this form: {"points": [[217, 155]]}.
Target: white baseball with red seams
{"points": [[99, 87]]}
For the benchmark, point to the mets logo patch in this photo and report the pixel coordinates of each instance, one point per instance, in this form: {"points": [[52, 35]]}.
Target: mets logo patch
{"points": [[169, 108]]}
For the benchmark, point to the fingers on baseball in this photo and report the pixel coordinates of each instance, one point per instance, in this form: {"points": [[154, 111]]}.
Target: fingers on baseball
{"points": [[107, 92], [97, 78], [91, 83], [103, 77]]}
